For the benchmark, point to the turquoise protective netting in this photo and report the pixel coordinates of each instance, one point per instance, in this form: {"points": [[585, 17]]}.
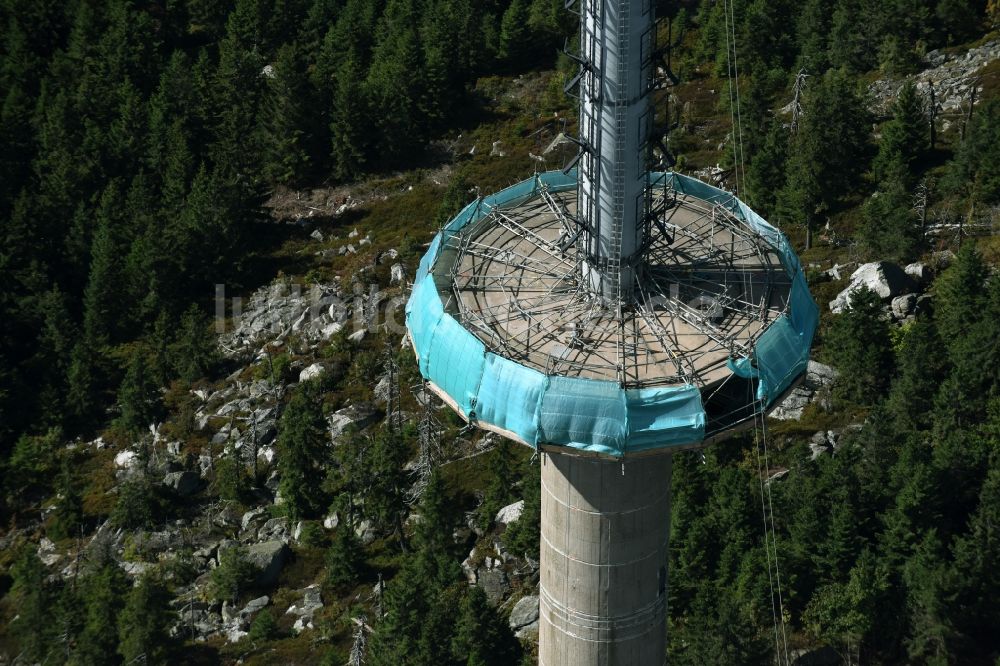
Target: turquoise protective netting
{"points": [[587, 414]]}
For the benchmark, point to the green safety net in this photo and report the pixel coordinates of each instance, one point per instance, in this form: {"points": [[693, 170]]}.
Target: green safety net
{"points": [[587, 414]]}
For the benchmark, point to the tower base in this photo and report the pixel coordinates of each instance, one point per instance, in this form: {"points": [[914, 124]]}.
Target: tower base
{"points": [[605, 534]]}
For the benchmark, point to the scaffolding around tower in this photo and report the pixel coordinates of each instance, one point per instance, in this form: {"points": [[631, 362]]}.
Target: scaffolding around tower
{"points": [[509, 334]]}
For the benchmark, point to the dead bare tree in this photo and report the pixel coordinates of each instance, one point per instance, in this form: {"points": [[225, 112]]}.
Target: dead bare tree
{"points": [[973, 92], [796, 105], [360, 643], [393, 416], [920, 198], [933, 108], [429, 447]]}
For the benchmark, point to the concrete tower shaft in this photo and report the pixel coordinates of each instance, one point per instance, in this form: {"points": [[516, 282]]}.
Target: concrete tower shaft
{"points": [[603, 587], [616, 42]]}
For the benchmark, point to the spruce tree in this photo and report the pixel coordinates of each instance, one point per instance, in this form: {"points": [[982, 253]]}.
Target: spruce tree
{"points": [[904, 138], [138, 396], [960, 298], [481, 637], [68, 516], [515, 33], [302, 450], [283, 120], [194, 351], [522, 536], [766, 173], [890, 228], [32, 627], [828, 152], [385, 502], [102, 300], [861, 349], [349, 119], [103, 594], [344, 560], [144, 623], [234, 574], [52, 359], [498, 489], [264, 627]]}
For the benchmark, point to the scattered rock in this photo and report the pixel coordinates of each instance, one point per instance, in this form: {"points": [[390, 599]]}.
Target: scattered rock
{"points": [[135, 569], [331, 521], [468, 569], [358, 416], [884, 278], [312, 601], [777, 476], [952, 74], [184, 483], [317, 235], [126, 460], [276, 310], [524, 613], [818, 377], [494, 583], [251, 516], [313, 371], [819, 444], [47, 552], [528, 632], [396, 274], [903, 305], [388, 255], [942, 259], [357, 336], [919, 273], [365, 532], [255, 605], [275, 529], [235, 634], [510, 513]]}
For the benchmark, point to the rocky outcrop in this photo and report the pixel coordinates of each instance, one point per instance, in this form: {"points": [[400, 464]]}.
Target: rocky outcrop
{"points": [[510, 513], [884, 278], [311, 601], [818, 377], [312, 372], [185, 483], [358, 417], [524, 613]]}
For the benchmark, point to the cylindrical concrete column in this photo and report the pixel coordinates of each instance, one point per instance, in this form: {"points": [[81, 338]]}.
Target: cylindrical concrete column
{"points": [[605, 533]]}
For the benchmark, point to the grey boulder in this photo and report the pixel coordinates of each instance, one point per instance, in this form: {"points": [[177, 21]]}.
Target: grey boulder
{"points": [[269, 558]]}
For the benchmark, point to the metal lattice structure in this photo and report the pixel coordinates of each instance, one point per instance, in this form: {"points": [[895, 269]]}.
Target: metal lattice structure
{"points": [[708, 287]]}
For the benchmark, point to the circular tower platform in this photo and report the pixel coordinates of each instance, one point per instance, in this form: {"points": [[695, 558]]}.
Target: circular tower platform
{"points": [[508, 332]]}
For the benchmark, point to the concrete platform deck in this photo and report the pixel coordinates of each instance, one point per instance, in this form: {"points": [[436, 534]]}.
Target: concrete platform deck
{"points": [[706, 291]]}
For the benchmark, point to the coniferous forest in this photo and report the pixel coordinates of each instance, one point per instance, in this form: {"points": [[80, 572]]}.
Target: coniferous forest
{"points": [[213, 449]]}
